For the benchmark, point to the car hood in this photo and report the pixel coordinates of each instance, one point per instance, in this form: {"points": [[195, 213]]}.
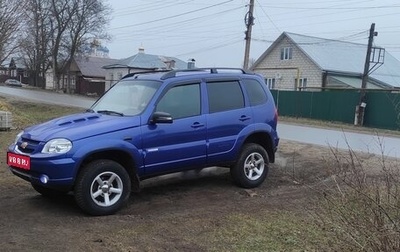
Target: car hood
{"points": [[78, 126]]}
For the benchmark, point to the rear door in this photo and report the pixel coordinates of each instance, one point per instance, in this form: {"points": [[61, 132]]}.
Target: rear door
{"points": [[228, 116]]}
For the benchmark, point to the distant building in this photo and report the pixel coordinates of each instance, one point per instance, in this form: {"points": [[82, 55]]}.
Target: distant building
{"points": [[298, 62], [87, 76], [141, 62], [96, 50], [14, 68]]}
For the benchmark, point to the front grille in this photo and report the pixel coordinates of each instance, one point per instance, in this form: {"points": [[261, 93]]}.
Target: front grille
{"points": [[27, 145]]}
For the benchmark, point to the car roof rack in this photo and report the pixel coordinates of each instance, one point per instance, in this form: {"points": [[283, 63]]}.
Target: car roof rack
{"points": [[144, 72], [212, 70]]}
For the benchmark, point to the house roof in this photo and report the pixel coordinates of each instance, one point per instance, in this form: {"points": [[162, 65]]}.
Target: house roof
{"points": [[143, 60], [341, 57], [18, 61], [93, 66]]}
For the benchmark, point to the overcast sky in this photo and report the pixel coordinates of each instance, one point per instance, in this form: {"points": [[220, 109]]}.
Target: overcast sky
{"points": [[212, 31]]}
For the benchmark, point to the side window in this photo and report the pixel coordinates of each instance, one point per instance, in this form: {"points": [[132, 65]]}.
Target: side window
{"points": [[286, 53], [255, 91], [301, 83], [226, 95], [181, 101], [270, 83]]}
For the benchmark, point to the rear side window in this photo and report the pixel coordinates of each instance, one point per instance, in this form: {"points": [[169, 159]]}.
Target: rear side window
{"points": [[255, 91], [225, 95]]}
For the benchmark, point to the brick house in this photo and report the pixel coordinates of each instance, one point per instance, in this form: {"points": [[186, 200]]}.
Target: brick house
{"points": [[298, 62]]}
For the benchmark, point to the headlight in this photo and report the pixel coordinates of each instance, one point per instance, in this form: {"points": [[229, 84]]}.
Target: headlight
{"points": [[57, 146], [18, 137]]}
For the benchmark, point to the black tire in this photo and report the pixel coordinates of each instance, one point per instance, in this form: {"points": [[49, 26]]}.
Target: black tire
{"points": [[95, 194], [251, 168], [48, 192]]}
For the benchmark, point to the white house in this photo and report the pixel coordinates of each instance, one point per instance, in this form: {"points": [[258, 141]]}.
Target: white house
{"points": [[298, 62]]}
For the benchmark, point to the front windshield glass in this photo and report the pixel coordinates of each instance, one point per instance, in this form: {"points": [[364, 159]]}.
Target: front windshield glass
{"points": [[127, 97]]}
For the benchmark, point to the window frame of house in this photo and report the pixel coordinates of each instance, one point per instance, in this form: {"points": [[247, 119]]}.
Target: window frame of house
{"points": [[111, 79], [270, 82], [302, 84], [286, 53]]}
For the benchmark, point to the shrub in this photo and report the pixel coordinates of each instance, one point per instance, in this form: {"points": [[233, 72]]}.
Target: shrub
{"points": [[360, 201]]}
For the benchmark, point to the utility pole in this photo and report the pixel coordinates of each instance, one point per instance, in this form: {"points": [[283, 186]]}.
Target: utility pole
{"points": [[360, 109], [249, 22]]}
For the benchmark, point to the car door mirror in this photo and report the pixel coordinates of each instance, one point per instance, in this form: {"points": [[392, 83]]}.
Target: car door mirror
{"points": [[161, 117]]}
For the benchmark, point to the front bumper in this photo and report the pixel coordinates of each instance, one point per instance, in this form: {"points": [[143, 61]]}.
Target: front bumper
{"points": [[59, 171]]}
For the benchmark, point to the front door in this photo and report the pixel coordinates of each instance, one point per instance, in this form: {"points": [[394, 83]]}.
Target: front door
{"points": [[182, 143]]}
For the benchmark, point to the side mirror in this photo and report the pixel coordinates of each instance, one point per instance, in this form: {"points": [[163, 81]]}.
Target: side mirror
{"points": [[161, 117]]}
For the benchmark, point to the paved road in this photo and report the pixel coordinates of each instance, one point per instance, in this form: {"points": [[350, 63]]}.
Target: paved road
{"points": [[376, 144], [369, 143], [47, 97]]}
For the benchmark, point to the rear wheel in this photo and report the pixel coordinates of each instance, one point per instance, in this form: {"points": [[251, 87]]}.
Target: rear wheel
{"points": [[251, 169], [102, 187]]}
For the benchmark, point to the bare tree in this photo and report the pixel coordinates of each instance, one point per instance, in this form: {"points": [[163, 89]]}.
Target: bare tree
{"points": [[35, 39], [9, 26], [61, 16], [88, 23], [73, 23]]}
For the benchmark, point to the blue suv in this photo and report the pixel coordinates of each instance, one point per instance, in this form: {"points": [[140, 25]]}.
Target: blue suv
{"points": [[150, 124]]}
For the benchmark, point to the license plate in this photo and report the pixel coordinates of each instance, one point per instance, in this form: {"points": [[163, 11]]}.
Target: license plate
{"points": [[19, 161]]}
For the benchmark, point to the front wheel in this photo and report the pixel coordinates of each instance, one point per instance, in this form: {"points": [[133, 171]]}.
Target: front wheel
{"points": [[251, 169], [102, 187]]}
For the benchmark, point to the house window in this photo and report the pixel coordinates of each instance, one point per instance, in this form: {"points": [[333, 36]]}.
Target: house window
{"points": [[301, 84], [270, 83], [73, 82], [286, 53], [111, 78]]}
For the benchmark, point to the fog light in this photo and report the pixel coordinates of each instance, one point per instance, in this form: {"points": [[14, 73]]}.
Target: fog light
{"points": [[44, 179]]}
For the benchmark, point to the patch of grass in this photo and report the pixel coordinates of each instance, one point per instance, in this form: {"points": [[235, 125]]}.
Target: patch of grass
{"points": [[264, 230], [270, 231], [25, 114]]}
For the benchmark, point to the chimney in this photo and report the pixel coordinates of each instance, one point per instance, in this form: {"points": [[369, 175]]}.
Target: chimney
{"points": [[141, 49], [191, 64]]}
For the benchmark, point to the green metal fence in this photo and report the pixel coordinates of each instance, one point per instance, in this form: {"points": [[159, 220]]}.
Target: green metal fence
{"points": [[382, 111]]}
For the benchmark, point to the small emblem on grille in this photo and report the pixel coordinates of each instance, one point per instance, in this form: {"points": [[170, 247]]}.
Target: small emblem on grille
{"points": [[24, 145]]}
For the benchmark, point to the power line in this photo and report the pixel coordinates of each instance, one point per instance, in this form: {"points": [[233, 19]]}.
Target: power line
{"points": [[174, 16], [272, 22]]}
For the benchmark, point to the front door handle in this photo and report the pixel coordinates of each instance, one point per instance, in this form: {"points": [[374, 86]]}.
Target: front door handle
{"points": [[197, 125], [244, 118]]}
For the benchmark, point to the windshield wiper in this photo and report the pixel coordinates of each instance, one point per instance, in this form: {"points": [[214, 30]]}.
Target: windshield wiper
{"points": [[110, 112], [90, 110]]}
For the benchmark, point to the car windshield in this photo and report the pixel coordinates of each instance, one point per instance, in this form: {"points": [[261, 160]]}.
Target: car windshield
{"points": [[126, 98]]}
